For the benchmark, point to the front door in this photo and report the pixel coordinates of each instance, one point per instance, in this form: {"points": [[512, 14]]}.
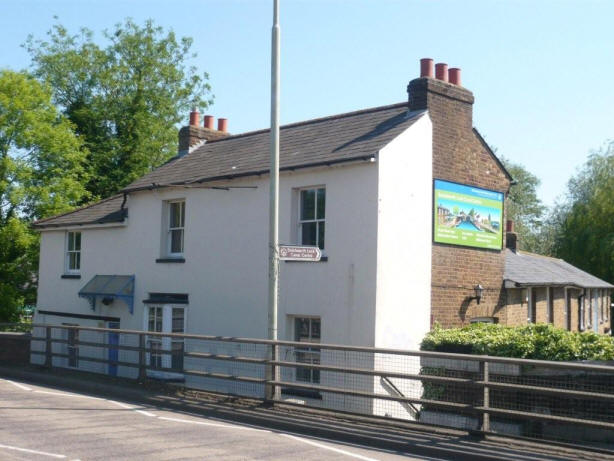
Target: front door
{"points": [[113, 353]]}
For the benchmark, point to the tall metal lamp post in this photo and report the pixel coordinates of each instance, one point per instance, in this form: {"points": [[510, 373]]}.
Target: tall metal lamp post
{"points": [[272, 371]]}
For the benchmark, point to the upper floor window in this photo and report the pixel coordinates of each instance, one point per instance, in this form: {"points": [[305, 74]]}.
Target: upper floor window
{"points": [[176, 227], [73, 251], [312, 216]]}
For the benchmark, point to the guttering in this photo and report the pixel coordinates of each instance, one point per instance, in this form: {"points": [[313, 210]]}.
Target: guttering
{"points": [[363, 158], [511, 284], [77, 226]]}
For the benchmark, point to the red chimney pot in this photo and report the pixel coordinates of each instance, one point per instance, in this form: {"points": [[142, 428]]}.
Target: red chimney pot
{"points": [[441, 71], [209, 121], [426, 67], [455, 76], [194, 117], [222, 125]]}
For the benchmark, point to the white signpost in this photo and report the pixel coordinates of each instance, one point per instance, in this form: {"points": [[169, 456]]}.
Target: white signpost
{"points": [[299, 253]]}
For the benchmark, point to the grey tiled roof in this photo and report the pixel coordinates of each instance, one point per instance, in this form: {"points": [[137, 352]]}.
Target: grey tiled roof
{"points": [[335, 139], [103, 212], [321, 141], [526, 269]]}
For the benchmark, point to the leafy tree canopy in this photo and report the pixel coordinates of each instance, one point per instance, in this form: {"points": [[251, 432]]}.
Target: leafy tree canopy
{"points": [[525, 208], [125, 98], [41, 173], [585, 226]]}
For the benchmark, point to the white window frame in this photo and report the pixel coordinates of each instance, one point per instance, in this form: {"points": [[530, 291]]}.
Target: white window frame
{"points": [[314, 356], [315, 219], [164, 343], [67, 268], [170, 229]]}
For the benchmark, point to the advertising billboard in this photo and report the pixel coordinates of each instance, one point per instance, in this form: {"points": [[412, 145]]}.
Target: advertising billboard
{"points": [[467, 215]]}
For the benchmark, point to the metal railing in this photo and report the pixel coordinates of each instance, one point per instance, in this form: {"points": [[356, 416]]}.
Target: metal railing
{"points": [[564, 401]]}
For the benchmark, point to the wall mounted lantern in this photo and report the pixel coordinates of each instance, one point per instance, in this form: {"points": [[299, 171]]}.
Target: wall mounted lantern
{"points": [[479, 291]]}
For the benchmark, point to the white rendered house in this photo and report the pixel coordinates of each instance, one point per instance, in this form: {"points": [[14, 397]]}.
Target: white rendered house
{"points": [[185, 248]]}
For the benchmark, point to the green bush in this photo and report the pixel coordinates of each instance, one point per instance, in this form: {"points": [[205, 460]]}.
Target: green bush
{"points": [[541, 342]]}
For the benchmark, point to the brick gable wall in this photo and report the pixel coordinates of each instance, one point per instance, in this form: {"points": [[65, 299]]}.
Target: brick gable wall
{"points": [[460, 156]]}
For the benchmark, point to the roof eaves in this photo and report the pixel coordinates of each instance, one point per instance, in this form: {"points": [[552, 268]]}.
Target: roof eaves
{"points": [[243, 174]]}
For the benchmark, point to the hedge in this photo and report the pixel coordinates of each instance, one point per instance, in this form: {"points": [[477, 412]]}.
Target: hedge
{"points": [[542, 342]]}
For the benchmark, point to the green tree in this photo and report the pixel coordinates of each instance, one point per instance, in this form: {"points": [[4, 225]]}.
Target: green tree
{"points": [[41, 173], [585, 228], [525, 208], [125, 99]]}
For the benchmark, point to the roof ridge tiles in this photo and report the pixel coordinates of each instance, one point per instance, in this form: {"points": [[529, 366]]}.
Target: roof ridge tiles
{"points": [[314, 120]]}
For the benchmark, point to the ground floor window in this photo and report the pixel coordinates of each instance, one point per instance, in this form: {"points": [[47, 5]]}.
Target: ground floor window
{"points": [[307, 330], [165, 319], [71, 335]]}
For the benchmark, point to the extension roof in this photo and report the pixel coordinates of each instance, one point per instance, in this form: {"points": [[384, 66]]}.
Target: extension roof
{"points": [[529, 269], [324, 141], [104, 212]]}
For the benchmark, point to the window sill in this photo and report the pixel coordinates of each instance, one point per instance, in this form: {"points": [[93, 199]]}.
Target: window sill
{"points": [[171, 260], [70, 276], [301, 393], [323, 259]]}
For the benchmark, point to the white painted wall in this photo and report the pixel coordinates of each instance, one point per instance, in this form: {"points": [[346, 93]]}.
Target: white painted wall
{"points": [[403, 256], [226, 268]]}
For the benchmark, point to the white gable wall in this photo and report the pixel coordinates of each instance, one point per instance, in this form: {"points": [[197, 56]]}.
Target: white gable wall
{"points": [[405, 216]]}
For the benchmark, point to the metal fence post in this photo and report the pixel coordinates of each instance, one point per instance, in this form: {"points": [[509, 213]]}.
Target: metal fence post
{"points": [[485, 415], [48, 352], [142, 357], [271, 391]]}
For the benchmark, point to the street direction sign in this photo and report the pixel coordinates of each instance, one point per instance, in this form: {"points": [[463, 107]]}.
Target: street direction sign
{"points": [[299, 253]]}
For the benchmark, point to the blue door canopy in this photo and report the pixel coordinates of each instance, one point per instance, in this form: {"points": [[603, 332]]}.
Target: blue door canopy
{"points": [[109, 288]]}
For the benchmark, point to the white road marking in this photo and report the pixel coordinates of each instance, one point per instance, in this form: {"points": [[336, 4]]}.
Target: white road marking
{"points": [[202, 423], [326, 447], [123, 405], [64, 394], [20, 386], [177, 420], [34, 452]]}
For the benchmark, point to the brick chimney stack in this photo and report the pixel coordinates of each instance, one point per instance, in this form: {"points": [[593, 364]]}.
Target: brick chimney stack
{"points": [[443, 96], [194, 133], [511, 237]]}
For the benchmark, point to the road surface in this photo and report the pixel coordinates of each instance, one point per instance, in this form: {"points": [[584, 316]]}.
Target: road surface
{"points": [[42, 423]]}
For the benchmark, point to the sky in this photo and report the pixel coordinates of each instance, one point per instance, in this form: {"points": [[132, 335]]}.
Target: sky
{"points": [[540, 70]]}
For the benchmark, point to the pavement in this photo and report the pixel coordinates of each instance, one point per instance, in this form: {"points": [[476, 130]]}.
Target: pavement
{"points": [[61, 415]]}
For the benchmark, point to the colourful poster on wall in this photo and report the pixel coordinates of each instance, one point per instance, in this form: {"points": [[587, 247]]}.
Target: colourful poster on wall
{"points": [[467, 216]]}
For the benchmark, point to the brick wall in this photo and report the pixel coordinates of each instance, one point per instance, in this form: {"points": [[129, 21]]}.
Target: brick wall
{"points": [[516, 311], [14, 348], [459, 155]]}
